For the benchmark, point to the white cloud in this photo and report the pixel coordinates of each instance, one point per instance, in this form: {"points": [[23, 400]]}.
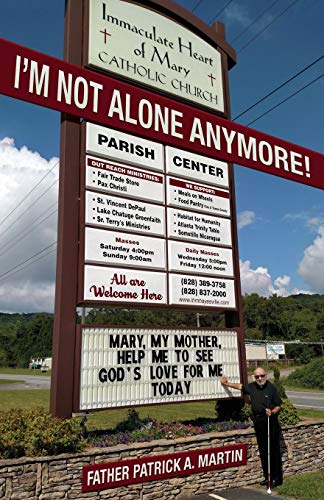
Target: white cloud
{"points": [[311, 222], [311, 267], [236, 13], [30, 289], [255, 280], [7, 140], [260, 281], [245, 218]]}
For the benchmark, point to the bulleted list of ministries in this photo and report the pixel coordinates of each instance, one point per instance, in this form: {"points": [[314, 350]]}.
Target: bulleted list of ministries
{"points": [[157, 224]]}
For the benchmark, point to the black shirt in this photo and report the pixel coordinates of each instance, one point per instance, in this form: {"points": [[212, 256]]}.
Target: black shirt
{"points": [[262, 397]]}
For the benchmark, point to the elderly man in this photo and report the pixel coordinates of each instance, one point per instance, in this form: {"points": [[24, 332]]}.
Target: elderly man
{"points": [[266, 402]]}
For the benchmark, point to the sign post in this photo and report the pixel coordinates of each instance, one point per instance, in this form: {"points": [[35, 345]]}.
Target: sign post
{"points": [[62, 379]]}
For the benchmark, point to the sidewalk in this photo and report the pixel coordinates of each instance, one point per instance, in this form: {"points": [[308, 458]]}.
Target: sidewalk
{"points": [[247, 493]]}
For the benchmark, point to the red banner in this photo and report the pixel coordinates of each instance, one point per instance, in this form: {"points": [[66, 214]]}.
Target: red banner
{"points": [[34, 77], [140, 470]]}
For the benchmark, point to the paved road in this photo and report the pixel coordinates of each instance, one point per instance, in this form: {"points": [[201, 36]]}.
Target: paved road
{"points": [[300, 399], [307, 399], [26, 382]]}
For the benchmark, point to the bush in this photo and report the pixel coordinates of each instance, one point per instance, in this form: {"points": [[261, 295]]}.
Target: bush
{"points": [[278, 384], [229, 409], [301, 353], [288, 414], [132, 422], [310, 376], [34, 432], [246, 413]]}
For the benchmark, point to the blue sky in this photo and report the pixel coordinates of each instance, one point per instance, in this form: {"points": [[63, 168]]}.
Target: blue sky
{"points": [[281, 234]]}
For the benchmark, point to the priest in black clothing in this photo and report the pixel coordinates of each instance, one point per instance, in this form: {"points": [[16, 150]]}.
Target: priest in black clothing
{"points": [[266, 402]]}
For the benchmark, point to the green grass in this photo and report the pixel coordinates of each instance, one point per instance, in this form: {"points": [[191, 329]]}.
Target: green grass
{"points": [[109, 418], [166, 413], [299, 389], [24, 399], [307, 413], [8, 381], [24, 371], [308, 486]]}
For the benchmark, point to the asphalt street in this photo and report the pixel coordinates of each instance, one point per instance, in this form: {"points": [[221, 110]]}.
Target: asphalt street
{"points": [[25, 382], [313, 400]]}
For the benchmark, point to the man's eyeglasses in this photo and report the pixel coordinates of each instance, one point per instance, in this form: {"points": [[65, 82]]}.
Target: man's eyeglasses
{"points": [[259, 376]]}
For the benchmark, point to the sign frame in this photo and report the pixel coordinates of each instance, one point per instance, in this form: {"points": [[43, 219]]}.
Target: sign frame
{"points": [[77, 362]]}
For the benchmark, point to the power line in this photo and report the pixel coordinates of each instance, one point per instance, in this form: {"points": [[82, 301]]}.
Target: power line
{"points": [[280, 87], [28, 208], [19, 234], [254, 21], [197, 5], [27, 233], [33, 189], [268, 26], [27, 260], [30, 264], [285, 100], [220, 12]]}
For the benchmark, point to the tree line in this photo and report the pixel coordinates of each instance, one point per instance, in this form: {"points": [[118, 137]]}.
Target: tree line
{"points": [[299, 317]]}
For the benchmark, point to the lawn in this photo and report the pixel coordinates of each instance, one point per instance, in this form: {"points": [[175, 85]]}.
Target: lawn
{"points": [[24, 399], [8, 381], [24, 371], [308, 486], [299, 389], [109, 418]]}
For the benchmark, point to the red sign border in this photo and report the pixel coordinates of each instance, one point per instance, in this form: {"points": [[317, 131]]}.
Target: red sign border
{"points": [[191, 454]]}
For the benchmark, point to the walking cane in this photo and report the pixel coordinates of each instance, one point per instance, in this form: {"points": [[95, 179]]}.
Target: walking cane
{"points": [[269, 471], [269, 477]]}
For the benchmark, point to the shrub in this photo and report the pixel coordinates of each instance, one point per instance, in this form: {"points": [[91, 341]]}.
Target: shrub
{"points": [[246, 413], [288, 414], [278, 384], [309, 376], [34, 432], [229, 409], [132, 422]]}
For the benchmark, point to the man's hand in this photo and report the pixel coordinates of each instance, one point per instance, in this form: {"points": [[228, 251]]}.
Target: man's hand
{"points": [[223, 380], [268, 412]]}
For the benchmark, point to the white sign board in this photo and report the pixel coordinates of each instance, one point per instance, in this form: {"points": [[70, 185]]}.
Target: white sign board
{"points": [[277, 349], [199, 259], [116, 213], [196, 227], [123, 249], [201, 291], [124, 285], [119, 179], [197, 197], [197, 167], [144, 46], [124, 367], [126, 148]]}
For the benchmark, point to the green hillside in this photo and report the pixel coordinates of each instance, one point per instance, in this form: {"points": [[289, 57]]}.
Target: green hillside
{"points": [[23, 336]]}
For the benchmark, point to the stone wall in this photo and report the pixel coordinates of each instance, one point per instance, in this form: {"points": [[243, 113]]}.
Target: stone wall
{"points": [[57, 477]]}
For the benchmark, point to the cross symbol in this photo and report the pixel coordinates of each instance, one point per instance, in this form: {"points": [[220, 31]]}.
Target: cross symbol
{"points": [[105, 33], [212, 78]]}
